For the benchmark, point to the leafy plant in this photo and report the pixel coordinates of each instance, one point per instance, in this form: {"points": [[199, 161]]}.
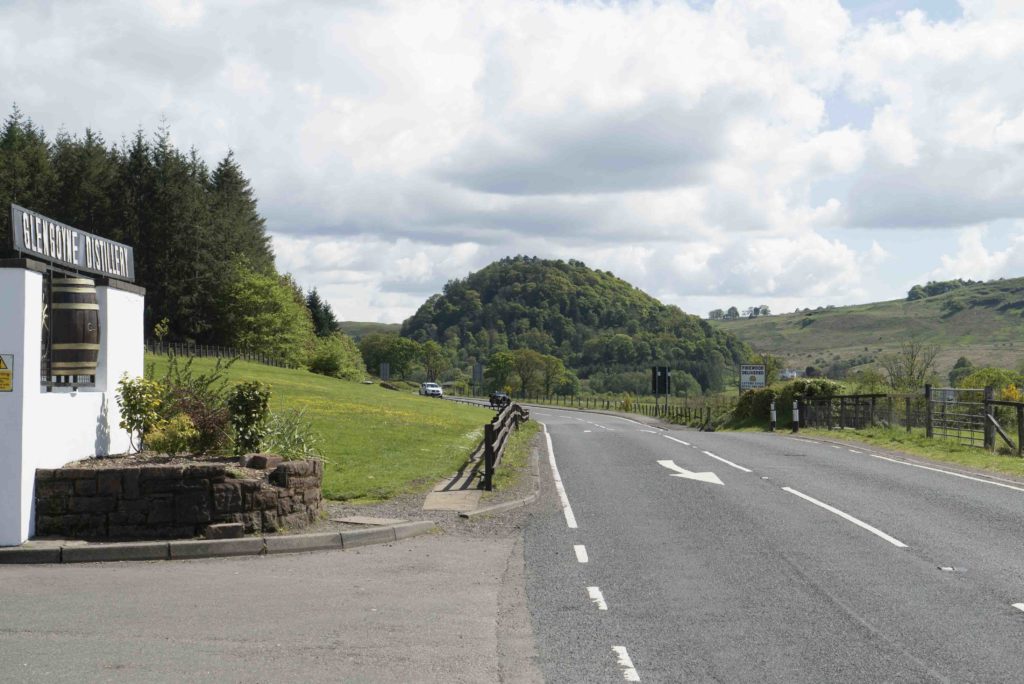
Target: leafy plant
{"points": [[174, 436], [139, 400], [248, 404], [291, 435], [200, 396]]}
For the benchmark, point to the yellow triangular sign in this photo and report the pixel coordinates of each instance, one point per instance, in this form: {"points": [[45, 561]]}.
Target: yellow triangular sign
{"points": [[3, 366]]}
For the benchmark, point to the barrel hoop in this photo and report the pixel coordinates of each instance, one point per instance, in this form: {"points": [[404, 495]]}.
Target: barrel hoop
{"points": [[81, 346], [74, 281], [85, 368], [85, 289], [76, 307]]}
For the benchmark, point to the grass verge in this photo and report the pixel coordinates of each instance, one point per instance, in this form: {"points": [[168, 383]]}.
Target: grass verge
{"points": [[936, 449], [516, 460], [377, 443]]}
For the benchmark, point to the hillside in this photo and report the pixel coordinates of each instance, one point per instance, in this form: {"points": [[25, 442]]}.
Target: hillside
{"points": [[359, 329], [982, 321], [593, 321]]}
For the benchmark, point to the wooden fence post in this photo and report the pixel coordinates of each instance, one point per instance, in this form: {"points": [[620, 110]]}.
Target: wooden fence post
{"points": [[990, 429], [488, 456], [928, 428], [1020, 429]]}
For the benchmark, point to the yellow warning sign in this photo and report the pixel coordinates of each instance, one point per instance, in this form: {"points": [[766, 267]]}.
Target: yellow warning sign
{"points": [[6, 372]]}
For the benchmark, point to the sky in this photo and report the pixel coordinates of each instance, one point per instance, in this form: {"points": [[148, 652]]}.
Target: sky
{"points": [[714, 153]]}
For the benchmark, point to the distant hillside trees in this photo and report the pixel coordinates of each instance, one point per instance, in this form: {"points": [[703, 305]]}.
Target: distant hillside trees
{"points": [[590, 320], [733, 313], [936, 287]]}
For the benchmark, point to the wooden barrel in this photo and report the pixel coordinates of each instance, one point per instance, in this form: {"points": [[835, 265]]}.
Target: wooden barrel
{"points": [[75, 321]]}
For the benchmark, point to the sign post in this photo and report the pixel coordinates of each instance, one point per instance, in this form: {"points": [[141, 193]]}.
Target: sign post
{"points": [[661, 383]]}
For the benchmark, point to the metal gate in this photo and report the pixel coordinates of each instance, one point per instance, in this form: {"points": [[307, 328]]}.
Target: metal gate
{"points": [[958, 414]]}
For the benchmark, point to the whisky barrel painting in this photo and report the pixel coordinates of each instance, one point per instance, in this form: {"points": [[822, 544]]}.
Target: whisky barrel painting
{"points": [[75, 325]]}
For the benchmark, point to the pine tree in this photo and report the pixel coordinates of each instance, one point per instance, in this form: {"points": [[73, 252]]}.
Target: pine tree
{"points": [[26, 174], [324, 321]]}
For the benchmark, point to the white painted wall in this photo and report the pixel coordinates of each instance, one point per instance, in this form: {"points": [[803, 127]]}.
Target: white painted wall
{"points": [[40, 429]]}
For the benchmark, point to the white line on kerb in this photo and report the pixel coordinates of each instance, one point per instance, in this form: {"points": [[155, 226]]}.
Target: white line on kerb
{"points": [[581, 553], [1019, 606], [847, 516], [626, 663], [570, 519], [708, 453], [597, 598]]}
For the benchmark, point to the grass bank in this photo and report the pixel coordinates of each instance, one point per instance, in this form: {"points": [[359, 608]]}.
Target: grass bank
{"points": [[936, 449], [376, 442]]}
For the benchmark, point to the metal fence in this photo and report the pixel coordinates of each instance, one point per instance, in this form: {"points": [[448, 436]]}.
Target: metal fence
{"points": [[213, 351]]}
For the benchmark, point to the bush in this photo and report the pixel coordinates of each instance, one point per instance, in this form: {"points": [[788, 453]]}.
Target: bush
{"points": [[338, 357], [201, 397], [249, 407], [755, 404], [139, 400], [290, 435], [807, 388], [174, 436]]}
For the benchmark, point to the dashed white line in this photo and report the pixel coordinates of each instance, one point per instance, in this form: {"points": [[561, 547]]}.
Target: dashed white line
{"points": [[653, 432], [570, 519], [630, 420], [708, 453], [626, 663], [581, 553], [588, 431], [846, 516], [854, 451], [597, 598]]}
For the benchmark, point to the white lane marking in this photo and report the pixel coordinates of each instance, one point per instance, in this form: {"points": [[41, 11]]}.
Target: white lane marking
{"points": [[949, 472], [626, 663], [737, 467], [854, 451], [653, 432], [690, 475], [630, 420], [588, 430], [597, 598], [1019, 606], [570, 519], [581, 553], [835, 447], [846, 516]]}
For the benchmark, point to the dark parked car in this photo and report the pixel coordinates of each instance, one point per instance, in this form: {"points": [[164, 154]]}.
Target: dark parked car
{"points": [[499, 400]]}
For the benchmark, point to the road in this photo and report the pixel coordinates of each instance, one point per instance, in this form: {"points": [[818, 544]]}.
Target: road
{"points": [[688, 556]]}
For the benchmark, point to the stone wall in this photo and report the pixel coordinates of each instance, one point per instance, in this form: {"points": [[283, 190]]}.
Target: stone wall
{"points": [[168, 502]]}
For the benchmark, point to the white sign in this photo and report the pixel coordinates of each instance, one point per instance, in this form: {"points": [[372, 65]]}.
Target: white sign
{"points": [[751, 377]]}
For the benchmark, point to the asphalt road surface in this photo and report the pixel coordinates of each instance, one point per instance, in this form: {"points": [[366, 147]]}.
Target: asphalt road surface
{"points": [[685, 556]]}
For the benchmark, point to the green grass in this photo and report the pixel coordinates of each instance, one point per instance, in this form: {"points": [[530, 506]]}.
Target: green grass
{"points": [[516, 459], [377, 443], [936, 449]]}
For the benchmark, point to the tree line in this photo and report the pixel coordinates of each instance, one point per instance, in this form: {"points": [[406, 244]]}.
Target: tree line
{"points": [[201, 246], [732, 313]]}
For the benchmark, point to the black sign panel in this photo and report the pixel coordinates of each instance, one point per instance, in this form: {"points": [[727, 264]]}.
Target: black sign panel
{"points": [[661, 380], [42, 238]]}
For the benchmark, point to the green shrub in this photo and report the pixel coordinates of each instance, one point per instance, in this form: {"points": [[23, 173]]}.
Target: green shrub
{"points": [[200, 396], [755, 404], [807, 388], [174, 436], [248, 404], [291, 435], [139, 400], [337, 356]]}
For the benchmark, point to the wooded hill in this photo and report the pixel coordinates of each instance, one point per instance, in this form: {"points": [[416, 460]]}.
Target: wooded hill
{"points": [[983, 322], [599, 325]]}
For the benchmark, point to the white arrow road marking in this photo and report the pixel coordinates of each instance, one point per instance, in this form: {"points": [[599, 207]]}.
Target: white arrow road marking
{"points": [[1019, 606], [581, 553], [683, 472], [597, 597], [626, 663], [847, 516]]}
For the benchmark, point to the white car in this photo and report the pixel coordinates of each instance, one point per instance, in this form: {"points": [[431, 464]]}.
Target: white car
{"points": [[431, 389]]}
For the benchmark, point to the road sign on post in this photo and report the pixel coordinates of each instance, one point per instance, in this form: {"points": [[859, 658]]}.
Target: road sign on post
{"points": [[751, 377]]}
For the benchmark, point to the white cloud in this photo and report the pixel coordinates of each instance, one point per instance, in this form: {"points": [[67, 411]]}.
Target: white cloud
{"points": [[394, 146], [975, 261]]}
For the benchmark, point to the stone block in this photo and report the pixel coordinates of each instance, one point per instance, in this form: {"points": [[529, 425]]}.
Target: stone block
{"points": [[133, 505], [85, 487], [227, 497], [292, 543], [130, 483], [108, 482], [29, 555], [247, 546], [270, 521], [225, 531], [116, 552], [84, 525], [75, 474], [147, 473], [161, 510], [377, 535], [264, 461], [204, 471], [192, 508], [91, 504], [44, 474], [54, 488], [120, 518], [51, 505]]}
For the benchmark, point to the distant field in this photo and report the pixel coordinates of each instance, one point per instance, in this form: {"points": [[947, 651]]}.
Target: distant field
{"points": [[357, 330], [377, 442], [984, 322]]}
